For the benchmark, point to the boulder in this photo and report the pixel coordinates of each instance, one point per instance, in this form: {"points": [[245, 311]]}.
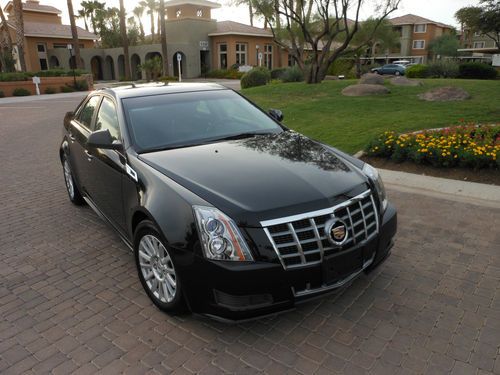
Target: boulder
{"points": [[371, 79], [403, 81], [445, 94], [365, 90]]}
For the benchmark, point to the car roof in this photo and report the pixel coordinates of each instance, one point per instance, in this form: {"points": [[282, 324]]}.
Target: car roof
{"points": [[158, 88]]}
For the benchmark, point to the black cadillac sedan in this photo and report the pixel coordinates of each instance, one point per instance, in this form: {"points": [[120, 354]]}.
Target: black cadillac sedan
{"points": [[228, 212]]}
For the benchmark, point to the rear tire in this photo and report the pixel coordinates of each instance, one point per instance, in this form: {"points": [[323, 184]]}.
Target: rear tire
{"points": [[156, 268], [72, 189], [397, 74]]}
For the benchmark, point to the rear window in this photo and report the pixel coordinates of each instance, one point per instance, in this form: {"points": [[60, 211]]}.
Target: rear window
{"points": [[183, 119]]}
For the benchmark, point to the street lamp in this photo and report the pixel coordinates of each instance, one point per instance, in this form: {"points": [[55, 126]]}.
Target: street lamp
{"points": [[70, 48]]}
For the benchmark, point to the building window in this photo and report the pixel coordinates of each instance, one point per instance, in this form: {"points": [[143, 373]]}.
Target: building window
{"points": [[178, 13], [291, 60], [241, 54], [479, 45], [199, 13], [418, 44], [420, 28], [477, 33], [268, 56], [223, 56]]}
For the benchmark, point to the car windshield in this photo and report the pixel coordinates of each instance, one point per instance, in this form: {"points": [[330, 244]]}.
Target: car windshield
{"points": [[186, 119]]}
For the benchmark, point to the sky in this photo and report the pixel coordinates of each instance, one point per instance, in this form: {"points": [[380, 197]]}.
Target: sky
{"points": [[436, 10]]}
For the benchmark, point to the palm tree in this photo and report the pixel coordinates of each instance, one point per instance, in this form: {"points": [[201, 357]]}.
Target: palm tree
{"points": [[163, 37], [19, 24], [5, 40], [150, 5], [138, 13], [83, 15], [74, 34], [123, 30]]}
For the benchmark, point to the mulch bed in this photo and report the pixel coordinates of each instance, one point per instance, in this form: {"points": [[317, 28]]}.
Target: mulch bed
{"points": [[485, 176]]}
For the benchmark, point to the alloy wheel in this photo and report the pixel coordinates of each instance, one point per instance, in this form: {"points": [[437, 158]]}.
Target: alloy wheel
{"points": [[68, 178], [157, 268]]}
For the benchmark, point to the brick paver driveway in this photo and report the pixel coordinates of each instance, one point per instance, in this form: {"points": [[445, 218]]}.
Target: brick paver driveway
{"points": [[70, 300]]}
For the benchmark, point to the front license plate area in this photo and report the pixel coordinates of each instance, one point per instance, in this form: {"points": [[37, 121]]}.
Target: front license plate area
{"points": [[339, 266]]}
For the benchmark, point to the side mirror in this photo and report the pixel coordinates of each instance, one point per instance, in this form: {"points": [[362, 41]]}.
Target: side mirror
{"points": [[276, 114], [103, 139]]}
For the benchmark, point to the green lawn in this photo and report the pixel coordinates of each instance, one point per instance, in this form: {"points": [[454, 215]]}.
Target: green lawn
{"points": [[321, 112]]}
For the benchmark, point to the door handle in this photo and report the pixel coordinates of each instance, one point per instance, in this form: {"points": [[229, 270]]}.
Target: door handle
{"points": [[89, 155], [72, 137]]}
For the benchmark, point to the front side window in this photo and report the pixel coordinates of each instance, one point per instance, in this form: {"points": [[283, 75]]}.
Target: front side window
{"points": [[268, 56], [223, 56], [108, 119], [420, 28], [187, 119], [241, 53], [418, 44], [87, 112]]}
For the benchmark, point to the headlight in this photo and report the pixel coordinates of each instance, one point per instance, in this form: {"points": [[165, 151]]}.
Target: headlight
{"points": [[220, 236], [373, 174]]}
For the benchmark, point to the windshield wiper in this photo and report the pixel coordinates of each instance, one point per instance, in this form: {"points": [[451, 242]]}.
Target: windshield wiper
{"points": [[241, 136]]}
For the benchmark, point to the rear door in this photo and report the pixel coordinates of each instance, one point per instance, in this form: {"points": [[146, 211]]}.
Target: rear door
{"points": [[107, 167], [79, 131]]}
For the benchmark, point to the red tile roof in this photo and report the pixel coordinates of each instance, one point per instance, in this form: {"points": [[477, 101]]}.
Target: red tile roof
{"points": [[412, 19], [231, 27]]}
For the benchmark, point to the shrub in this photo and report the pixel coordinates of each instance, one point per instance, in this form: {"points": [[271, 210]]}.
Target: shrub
{"points": [[225, 73], [50, 90], [341, 67], [474, 70], [417, 71], [81, 85], [277, 73], [21, 91], [443, 69], [153, 68], [275, 81], [293, 74], [11, 77], [463, 146], [67, 89], [52, 73], [2, 94], [255, 77]]}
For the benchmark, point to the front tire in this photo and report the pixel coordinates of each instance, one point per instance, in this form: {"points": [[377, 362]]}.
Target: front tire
{"points": [[156, 269], [397, 74], [72, 189]]}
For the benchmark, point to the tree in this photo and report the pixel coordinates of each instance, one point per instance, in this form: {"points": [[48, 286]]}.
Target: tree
{"points": [[19, 24], [484, 19], [150, 5], [318, 32], [6, 44], [74, 34], [123, 30], [163, 37], [445, 45], [83, 16], [92, 9], [138, 13]]}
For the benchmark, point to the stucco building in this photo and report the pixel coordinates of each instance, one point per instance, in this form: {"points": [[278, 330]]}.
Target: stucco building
{"points": [[44, 32]]}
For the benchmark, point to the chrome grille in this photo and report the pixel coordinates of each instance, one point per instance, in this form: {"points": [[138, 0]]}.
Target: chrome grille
{"points": [[300, 240]]}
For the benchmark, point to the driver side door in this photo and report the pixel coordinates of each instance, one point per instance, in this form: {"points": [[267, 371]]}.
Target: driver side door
{"points": [[107, 168]]}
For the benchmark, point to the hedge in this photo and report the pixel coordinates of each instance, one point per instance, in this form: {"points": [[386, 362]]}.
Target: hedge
{"points": [[26, 76], [474, 70], [256, 77]]}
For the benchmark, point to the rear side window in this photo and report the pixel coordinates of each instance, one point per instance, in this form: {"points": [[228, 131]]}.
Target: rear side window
{"points": [[87, 112], [108, 119]]}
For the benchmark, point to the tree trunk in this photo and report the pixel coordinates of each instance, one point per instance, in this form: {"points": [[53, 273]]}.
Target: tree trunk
{"points": [[250, 12], [152, 25], [141, 28], [6, 42], [74, 34], [5, 26], [19, 24], [163, 38], [123, 30]]}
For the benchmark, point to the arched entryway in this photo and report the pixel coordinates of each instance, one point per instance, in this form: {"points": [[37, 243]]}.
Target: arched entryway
{"points": [[135, 62], [121, 67], [96, 66], [54, 62], [176, 64], [110, 67]]}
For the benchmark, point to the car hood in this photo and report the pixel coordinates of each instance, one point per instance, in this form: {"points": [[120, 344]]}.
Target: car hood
{"points": [[262, 177]]}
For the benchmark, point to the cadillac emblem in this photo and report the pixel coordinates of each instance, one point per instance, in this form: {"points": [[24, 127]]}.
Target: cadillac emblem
{"points": [[336, 231]]}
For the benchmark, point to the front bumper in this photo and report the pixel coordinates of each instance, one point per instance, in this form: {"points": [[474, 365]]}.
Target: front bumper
{"points": [[233, 291]]}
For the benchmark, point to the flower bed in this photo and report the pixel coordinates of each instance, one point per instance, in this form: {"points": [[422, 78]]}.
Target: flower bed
{"points": [[470, 145]]}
